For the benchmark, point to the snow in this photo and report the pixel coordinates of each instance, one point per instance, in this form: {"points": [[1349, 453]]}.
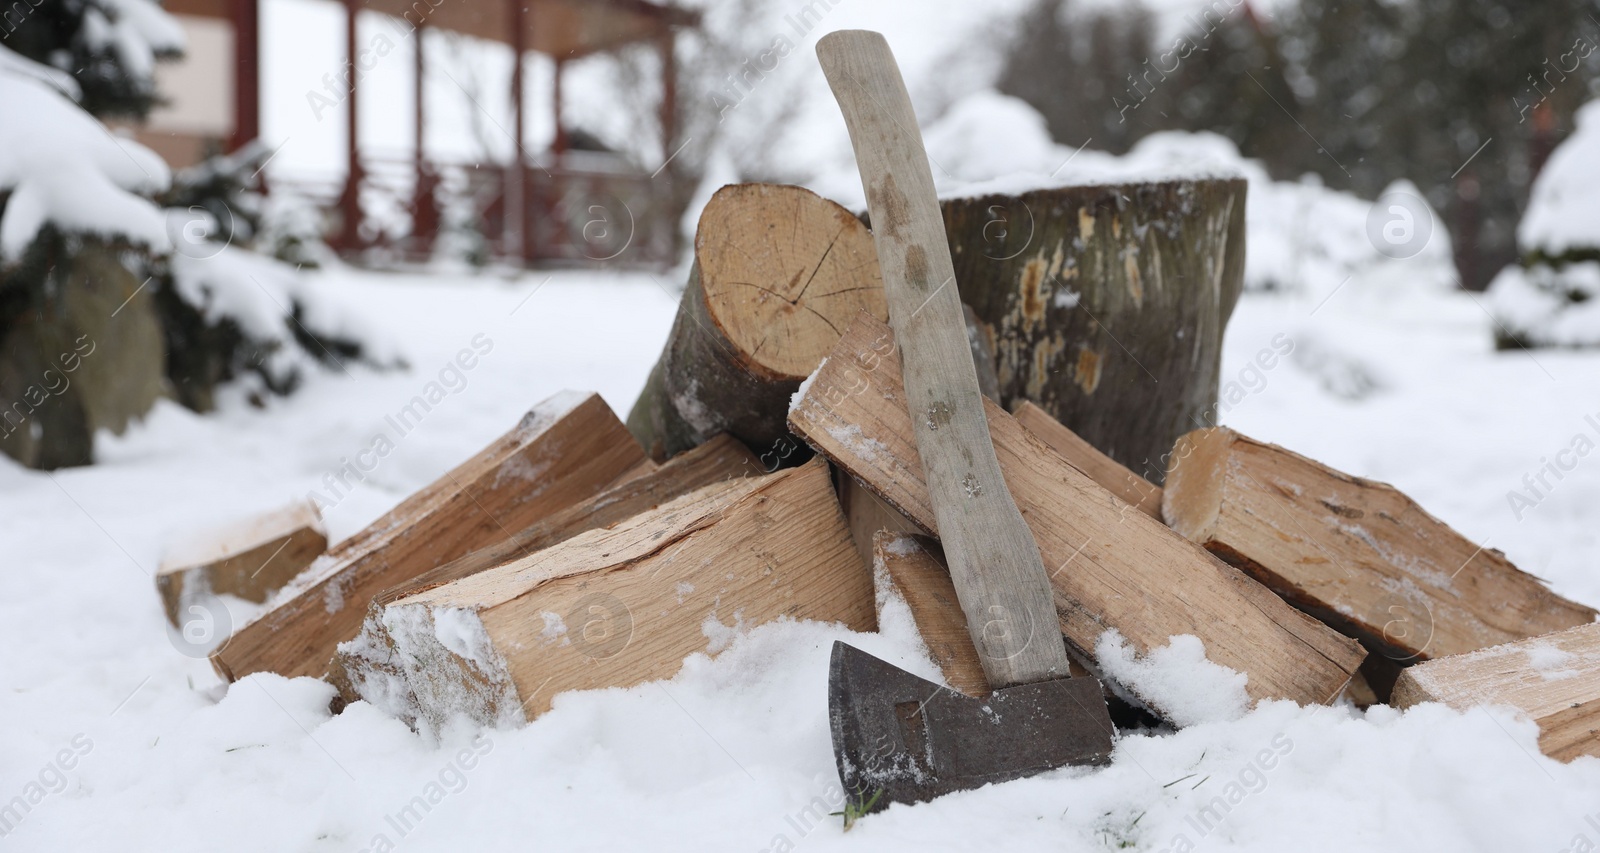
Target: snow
{"points": [[63, 167], [1551, 662], [1304, 237], [732, 752], [1564, 205], [1547, 306], [1176, 678], [805, 386]]}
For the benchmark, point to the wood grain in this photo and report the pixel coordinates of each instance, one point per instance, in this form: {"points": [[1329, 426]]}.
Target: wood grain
{"points": [[565, 450], [626, 604], [778, 272], [1107, 303], [1554, 679], [915, 570], [867, 515], [250, 558], [365, 667], [1357, 554], [1111, 565], [994, 563], [1119, 481]]}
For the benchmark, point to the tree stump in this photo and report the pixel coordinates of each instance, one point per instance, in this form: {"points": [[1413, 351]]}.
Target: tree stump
{"points": [[80, 350], [1105, 305], [779, 273]]}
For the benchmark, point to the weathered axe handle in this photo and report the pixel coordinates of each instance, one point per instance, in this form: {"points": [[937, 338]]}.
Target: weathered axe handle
{"points": [[994, 561]]}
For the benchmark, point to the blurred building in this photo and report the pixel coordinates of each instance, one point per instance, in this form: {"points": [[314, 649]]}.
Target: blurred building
{"points": [[557, 204]]}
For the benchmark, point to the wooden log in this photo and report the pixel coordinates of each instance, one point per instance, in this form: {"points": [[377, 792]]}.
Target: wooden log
{"points": [[250, 558], [914, 568], [623, 605], [1107, 304], [1357, 554], [1135, 490], [867, 514], [1111, 566], [365, 667], [982, 346], [565, 450], [1554, 679], [778, 272]]}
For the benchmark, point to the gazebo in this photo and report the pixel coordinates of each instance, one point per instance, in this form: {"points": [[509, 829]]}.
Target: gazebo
{"points": [[549, 206]]}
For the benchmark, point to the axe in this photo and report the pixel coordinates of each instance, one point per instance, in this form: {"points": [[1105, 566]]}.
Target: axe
{"points": [[897, 737]]}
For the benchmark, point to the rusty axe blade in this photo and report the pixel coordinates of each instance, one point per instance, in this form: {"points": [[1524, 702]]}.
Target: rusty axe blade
{"points": [[898, 738]]}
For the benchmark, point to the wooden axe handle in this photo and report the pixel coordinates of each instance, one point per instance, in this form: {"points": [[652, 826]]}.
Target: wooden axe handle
{"points": [[994, 561]]}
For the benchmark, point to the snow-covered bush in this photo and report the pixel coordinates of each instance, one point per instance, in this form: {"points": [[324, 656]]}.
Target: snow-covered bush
{"points": [[107, 300], [59, 165], [1549, 300]]}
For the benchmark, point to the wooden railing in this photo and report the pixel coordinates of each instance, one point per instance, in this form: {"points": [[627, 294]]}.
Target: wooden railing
{"points": [[589, 210]]}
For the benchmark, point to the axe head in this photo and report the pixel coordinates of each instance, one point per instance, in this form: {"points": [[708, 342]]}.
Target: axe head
{"points": [[898, 738]]}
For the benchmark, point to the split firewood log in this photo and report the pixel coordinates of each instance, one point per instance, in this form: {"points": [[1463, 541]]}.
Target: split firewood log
{"points": [[564, 451], [366, 668], [1357, 554], [250, 558], [1112, 566], [618, 606], [1101, 468], [1554, 679]]}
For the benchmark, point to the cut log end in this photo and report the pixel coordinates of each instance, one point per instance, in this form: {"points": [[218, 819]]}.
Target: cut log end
{"points": [[1554, 679], [1192, 499], [783, 272], [251, 558], [779, 272], [1359, 555]]}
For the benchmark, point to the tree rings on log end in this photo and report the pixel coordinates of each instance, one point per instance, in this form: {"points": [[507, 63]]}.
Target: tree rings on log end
{"points": [[784, 272]]}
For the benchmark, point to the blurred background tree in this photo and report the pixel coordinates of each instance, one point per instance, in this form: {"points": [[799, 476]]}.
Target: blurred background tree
{"points": [[1466, 98]]}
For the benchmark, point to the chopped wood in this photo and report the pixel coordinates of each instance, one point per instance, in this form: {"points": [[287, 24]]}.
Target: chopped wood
{"points": [[250, 558], [1133, 489], [1106, 304], [914, 568], [778, 272], [618, 606], [867, 514], [566, 450], [364, 667], [1110, 568], [1554, 679], [1357, 554], [982, 345]]}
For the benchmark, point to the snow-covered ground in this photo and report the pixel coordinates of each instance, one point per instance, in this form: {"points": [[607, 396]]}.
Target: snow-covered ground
{"points": [[127, 744]]}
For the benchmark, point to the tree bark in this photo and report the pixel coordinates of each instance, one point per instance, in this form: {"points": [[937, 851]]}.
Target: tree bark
{"points": [[1105, 305], [779, 272]]}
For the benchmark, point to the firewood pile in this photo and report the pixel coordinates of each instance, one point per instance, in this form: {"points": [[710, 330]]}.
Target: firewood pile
{"points": [[769, 468]]}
